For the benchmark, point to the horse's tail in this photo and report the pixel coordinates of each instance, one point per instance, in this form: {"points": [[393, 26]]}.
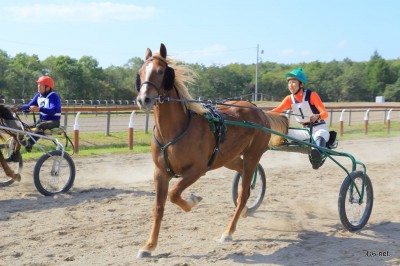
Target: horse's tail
{"points": [[279, 123]]}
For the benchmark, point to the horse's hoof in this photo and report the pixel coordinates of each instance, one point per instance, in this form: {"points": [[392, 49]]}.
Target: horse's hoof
{"points": [[143, 254], [226, 238], [17, 177], [194, 200]]}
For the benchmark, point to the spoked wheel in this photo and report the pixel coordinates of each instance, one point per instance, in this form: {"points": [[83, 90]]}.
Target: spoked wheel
{"points": [[54, 173], [257, 189], [353, 213], [7, 149]]}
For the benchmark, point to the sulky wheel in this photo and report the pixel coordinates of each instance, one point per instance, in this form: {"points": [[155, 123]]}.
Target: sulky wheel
{"points": [[353, 213], [54, 173], [257, 189]]}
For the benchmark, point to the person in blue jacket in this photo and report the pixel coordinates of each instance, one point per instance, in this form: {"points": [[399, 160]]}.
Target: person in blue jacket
{"points": [[48, 104]]}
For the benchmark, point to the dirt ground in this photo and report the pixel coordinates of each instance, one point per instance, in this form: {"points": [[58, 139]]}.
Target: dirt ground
{"points": [[106, 217]]}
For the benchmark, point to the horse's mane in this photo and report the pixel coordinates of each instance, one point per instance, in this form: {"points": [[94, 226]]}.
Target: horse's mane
{"points": [[184, 76], [279, 123]]}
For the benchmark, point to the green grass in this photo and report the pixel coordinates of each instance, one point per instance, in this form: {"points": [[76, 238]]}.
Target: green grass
{"points": [[93, 144], [375, 130]]}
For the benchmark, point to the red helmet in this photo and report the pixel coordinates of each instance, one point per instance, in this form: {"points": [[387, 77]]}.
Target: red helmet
{"points": [[46, 80]]}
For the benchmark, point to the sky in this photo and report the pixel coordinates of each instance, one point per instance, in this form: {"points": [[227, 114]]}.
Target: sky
{"points": [[207, 32]]}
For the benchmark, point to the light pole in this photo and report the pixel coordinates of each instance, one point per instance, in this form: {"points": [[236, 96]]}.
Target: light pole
{"points": [[256, 89]]}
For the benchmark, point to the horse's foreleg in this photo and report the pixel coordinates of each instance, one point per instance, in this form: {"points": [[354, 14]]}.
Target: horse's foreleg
{"points": [[243, 196], [161, 182], [7, 169], [176, 192]]}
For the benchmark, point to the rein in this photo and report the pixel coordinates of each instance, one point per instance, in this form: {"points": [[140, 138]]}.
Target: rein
{"points": [[162, 99], [208, 102]]}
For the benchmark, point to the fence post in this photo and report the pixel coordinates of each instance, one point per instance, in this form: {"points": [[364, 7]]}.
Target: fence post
{"points": [[341, 122], [66, 120], [130, 132], [384, 116], [350, 117], [108, 123], [388, 121], [76, 133], [366, 118]]}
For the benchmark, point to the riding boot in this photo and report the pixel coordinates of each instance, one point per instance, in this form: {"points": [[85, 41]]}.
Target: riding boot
{"points": [[316, 155]]}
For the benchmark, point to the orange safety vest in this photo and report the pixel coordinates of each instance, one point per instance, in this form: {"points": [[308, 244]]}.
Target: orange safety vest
{"points": [[314, 100]]}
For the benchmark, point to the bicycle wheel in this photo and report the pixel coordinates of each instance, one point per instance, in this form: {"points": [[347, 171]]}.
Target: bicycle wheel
{"points": [[7, 149], [257, 189], [53, 173], [353, 214]]}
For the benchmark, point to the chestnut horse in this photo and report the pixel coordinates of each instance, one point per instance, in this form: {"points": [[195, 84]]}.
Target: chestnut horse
{"points": [[6, 115], [183, 142]]}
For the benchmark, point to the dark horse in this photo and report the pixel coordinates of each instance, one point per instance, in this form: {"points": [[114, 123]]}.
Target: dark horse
{"points": [[183, 142], [6, 116]]}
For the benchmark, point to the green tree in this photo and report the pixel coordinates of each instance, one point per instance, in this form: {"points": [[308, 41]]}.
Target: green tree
{"points": [[392, 92], [120, 81], [351, 84], [324, 80], [272, 82], [92, 77], [68, 76], [84, 79], [377, 75], [4, 66], [21, 75]]}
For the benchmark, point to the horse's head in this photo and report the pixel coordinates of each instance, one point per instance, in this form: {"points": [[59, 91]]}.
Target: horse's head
{"points": [[154, 78]]}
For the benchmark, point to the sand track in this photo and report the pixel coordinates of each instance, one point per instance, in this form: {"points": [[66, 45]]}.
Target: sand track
{"points": [[106, 217]]}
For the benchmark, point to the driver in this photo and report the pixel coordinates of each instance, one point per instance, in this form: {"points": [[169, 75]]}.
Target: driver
{"points": [[48, 104], [311, 101]]}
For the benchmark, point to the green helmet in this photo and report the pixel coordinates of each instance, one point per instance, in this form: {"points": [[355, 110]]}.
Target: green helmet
{"points": [[297, 74]]}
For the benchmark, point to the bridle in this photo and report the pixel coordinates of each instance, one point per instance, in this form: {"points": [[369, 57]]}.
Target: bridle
{"points": [[139, 84]]}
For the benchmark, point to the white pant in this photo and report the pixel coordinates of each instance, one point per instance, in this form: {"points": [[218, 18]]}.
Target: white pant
{"points": [[318, 131]]}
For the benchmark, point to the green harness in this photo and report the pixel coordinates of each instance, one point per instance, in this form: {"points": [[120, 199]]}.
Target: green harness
{"points": [[217, 126]]}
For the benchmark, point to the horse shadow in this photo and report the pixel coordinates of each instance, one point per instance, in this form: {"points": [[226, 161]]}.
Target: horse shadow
{"points": [[37, 202], [376, 245]]}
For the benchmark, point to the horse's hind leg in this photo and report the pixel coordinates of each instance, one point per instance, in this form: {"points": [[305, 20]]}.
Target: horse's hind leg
{"points": [[237, 165], [176, 192], [161, 181], [249, 166]]}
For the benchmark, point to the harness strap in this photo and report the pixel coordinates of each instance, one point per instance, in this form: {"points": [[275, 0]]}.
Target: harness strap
{"points": [[217, 125], [164, 148]]}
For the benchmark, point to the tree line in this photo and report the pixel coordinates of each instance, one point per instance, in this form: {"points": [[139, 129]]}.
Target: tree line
{"points": [[84, 79]]}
